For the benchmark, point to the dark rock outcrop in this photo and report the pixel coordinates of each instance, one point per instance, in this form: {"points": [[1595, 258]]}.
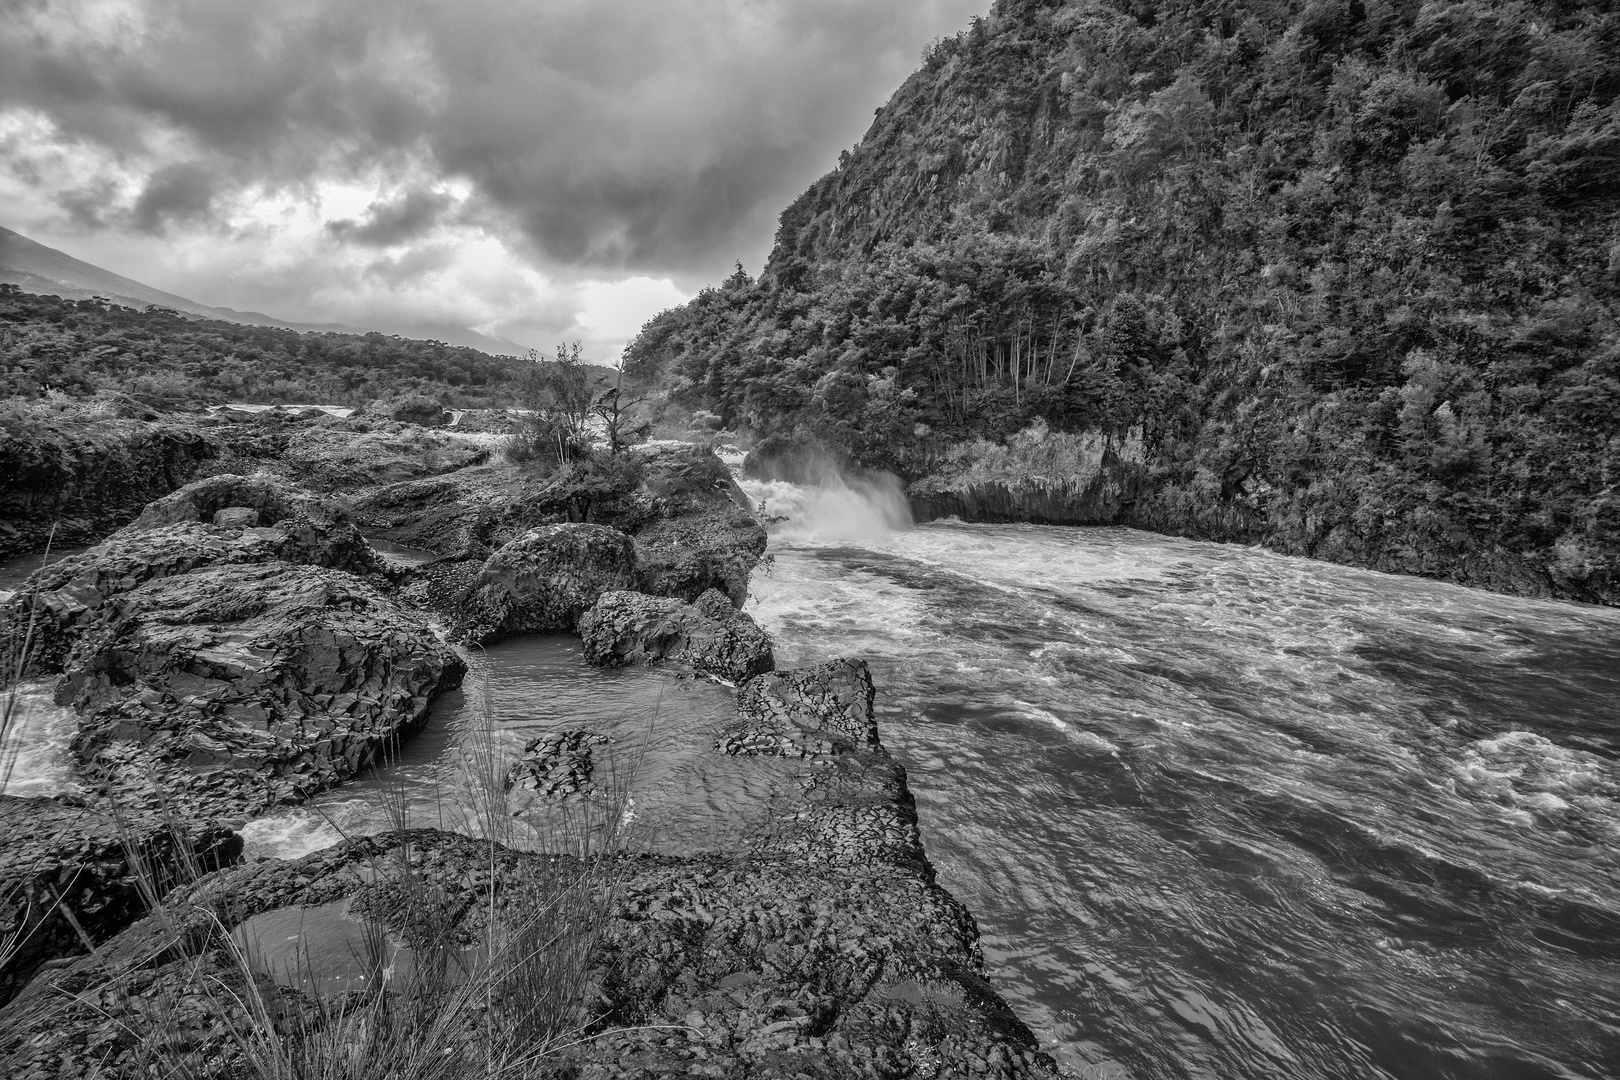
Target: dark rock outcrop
{"points": [[806, 712], [65, 598], [66, 876], [545, 580], [631, 627], [271, 497], [692, 527], [704, 535], [228, 690], [241, 517], [687, 556], [338, 459], [85, 478]]}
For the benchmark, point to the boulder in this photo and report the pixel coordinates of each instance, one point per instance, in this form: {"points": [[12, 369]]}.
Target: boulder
{"points": [[686, 478], [716, 605], [686, 556], [632, 627], [228, 690], [241, 517], [62, 857], [67, 597], [704, 535], [545, 580], [805, 712], [272, 498]]}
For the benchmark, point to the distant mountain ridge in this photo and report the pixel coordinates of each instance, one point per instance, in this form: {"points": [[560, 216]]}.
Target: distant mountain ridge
{"points": [[35, 268]]}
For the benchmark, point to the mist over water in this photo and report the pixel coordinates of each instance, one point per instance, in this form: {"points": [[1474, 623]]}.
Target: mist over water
{"points": [[1224, 813], [857, 508]]}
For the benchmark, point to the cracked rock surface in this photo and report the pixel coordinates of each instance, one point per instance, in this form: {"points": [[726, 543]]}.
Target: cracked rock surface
{"points": [[545, 580], [630, 627], [231, 689], [68, 597], [807, 712], [825, 950], [556, 765]]}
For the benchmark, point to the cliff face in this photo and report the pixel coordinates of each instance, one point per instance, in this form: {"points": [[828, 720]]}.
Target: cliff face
{"points": [[1348, 267], [86, 477]]}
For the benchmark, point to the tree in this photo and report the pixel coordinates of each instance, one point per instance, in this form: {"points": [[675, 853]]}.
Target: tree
{"points": [[613, 407], [558, 395]]}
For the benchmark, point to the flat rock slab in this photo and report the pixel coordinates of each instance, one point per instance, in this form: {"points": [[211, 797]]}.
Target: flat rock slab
{"points": [[67, 598], [806, 712], [630, 627], [229, 690]]}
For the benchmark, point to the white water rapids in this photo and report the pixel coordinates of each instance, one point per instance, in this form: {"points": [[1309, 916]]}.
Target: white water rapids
{"points": [[1224, 813]]}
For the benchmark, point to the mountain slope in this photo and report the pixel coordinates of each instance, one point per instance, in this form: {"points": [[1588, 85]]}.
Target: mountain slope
{"points": [[1340, 277], [35, 268]]}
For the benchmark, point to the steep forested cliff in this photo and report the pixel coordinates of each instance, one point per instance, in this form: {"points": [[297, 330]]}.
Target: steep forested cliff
{"points": [[1343, 274]]}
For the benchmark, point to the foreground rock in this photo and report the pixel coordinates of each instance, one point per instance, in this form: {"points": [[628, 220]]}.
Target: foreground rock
{"points": [[691, 524], [64, 599], [826, 709], [545, 580], [704, 535], [630, 627], [228, 690], [61, 857], [825, 951]]}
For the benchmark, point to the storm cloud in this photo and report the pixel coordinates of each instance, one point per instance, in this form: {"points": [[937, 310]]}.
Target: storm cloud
{"points": [[593, 138]]}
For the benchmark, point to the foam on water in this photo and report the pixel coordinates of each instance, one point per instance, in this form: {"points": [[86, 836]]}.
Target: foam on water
{"points": [[35, 749]]}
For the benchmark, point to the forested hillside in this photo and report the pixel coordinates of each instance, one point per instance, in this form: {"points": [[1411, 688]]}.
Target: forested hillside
{"points": [[160, 356], [1342, 274]]}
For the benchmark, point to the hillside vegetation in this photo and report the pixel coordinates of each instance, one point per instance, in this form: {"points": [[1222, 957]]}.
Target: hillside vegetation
{"points": [[1345, 270], [163, 357]]}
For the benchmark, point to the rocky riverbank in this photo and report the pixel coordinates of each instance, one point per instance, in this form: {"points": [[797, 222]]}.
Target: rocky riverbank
{"points": [[1089, 478], [239, 646]]}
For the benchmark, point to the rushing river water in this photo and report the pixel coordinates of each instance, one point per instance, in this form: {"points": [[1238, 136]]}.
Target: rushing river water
{"points": [[1223, 813], [1220, 813]]}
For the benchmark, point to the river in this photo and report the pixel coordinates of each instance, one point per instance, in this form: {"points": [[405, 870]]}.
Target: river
{"points": [[1225, 813], [1219, 812]]}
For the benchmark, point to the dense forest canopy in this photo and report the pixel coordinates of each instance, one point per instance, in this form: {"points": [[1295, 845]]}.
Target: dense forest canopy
{"points": [[1348, 268], [80, 347]]}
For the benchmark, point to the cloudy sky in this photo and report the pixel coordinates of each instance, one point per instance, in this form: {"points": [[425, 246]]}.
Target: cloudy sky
{"points": [[538, 170]]}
